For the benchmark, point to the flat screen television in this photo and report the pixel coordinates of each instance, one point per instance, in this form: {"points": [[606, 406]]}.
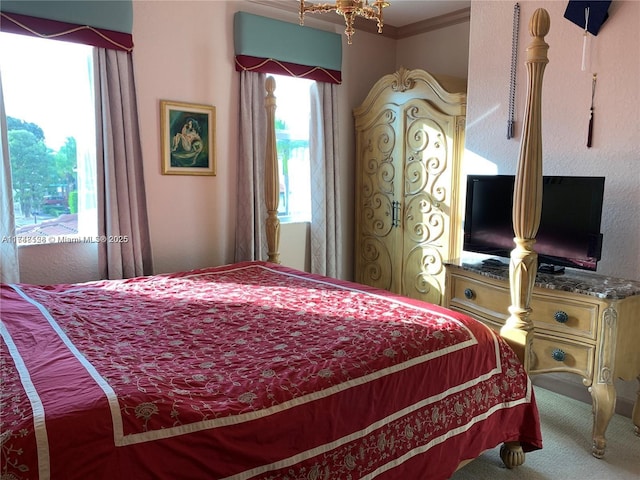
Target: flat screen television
{"points": [[569, 233]]}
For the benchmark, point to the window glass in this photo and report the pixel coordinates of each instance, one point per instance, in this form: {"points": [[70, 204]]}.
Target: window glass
{"points": [[49, 103], [292, 138]]}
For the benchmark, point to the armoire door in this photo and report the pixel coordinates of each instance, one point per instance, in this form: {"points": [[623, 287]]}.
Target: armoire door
{"points": [[427, 194], [378, 201]]}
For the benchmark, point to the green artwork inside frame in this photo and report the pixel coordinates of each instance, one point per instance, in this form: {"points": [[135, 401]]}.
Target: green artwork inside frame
{"points": [[188, 138]]}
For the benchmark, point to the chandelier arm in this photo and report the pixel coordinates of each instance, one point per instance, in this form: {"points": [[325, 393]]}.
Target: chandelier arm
{"points": [[317, 7], [349, 9]]}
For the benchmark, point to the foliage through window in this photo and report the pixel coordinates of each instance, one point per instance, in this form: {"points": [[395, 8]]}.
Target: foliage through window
{"points": [[49, 103], [292, 139]]}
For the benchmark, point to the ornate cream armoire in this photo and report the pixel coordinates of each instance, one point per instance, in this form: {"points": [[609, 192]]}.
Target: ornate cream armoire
{"points": [[408, 196]]}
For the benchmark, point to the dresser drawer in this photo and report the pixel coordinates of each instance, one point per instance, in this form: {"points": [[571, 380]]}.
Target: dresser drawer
{"points": [[480, 298], [488, 300], [564, 315], [555, 354]]}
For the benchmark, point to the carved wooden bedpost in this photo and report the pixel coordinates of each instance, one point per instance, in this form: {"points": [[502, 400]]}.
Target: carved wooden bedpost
{"points": [[527, 200], [271, 175]]}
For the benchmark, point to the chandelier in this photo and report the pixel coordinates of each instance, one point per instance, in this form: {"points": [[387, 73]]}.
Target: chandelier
{"points": [[349, 9]]}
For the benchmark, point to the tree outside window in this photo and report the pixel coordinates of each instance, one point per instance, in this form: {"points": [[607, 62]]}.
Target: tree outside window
{"points": [[51, 136]]}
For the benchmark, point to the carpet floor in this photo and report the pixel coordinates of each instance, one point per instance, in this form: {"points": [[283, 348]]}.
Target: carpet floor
{"points": [[566, 453]]}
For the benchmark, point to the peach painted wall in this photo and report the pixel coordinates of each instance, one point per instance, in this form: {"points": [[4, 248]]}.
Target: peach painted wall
{"points": [[192, 219], [184, 51]]}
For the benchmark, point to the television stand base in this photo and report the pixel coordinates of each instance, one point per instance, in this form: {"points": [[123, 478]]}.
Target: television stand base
{"points": [[494, 262], [548, 268]]}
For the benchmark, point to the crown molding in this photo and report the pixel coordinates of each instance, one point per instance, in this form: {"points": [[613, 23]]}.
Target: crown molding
{"points": [[435, 23], [364, 25]]}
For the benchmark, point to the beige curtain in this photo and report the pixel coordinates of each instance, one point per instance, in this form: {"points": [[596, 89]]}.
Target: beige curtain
{"points": [[9, 266], [122, 211], [325, 235], [251, 212]]}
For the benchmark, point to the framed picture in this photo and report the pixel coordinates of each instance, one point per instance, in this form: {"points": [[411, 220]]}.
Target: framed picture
{"points": [[188, 135]]}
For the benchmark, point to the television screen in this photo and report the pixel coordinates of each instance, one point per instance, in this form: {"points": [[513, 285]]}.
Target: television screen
{"points": [[569, 232]]}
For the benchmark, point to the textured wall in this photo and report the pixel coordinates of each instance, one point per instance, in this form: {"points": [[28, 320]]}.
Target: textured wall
{"points": [[566, 99]]}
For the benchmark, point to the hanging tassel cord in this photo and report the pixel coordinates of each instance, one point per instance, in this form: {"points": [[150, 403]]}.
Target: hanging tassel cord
{"points": [[593, 94], [514, 64]]}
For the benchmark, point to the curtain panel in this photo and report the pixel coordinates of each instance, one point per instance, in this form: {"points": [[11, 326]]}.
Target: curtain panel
{"points": [[9, 265], [121, 193], [326, 236], [251, 211]]}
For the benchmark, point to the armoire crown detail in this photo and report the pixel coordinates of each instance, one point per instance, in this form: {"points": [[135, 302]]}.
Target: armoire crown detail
{"points": [[402, 80]]}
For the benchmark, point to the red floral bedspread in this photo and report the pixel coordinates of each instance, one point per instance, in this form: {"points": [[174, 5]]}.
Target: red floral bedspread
{"points": [[248, 371]]}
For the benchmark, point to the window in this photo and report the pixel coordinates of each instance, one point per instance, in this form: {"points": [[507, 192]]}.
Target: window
{"points": [[292, 138], [49, 103]]}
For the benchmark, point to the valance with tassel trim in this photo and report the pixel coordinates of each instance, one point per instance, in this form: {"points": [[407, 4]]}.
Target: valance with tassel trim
{"points": [[272, 46], [104, 24]]}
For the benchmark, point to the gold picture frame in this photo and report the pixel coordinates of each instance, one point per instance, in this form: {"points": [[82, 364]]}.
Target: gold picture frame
{"points": [[188, 138]]}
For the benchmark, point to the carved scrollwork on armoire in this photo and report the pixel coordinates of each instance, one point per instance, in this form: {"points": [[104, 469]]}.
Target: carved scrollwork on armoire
{"points": [[409, 149]]}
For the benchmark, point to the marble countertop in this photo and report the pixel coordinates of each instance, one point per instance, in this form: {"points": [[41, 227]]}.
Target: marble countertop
{"points": [[572, 280]]}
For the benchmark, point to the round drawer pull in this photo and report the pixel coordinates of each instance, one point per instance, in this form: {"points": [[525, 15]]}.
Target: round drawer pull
{"points": [[561, 317], [558, 355], [469, 294]]}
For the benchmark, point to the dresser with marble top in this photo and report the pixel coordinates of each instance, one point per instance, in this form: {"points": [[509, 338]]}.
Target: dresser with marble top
{"points": [[584, 323]]}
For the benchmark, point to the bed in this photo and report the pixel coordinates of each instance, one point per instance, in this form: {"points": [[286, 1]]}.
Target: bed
{"points": [[252, 370], [257, 371]]}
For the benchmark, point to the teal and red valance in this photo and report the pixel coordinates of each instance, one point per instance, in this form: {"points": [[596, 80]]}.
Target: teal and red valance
{"points": [[101, 23], [272, 46]]}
